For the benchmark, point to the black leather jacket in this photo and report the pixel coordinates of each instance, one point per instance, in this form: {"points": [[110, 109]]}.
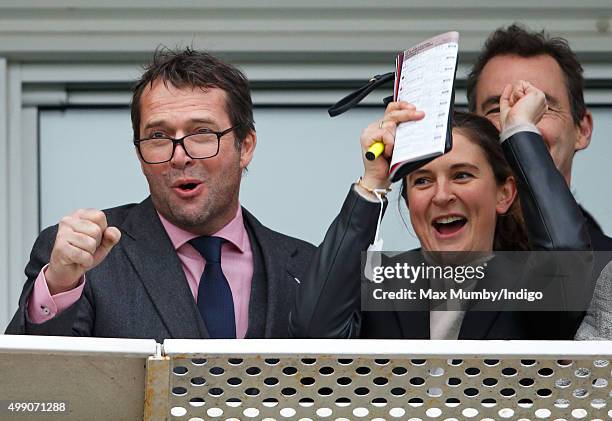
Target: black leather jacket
{"points": [[328, 300]]}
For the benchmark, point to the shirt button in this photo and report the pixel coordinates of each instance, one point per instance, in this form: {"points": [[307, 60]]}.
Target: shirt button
{"points": [[45, 311]]}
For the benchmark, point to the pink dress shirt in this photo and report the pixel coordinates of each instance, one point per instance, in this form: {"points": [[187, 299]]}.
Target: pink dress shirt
{"points": [[236, 262]]}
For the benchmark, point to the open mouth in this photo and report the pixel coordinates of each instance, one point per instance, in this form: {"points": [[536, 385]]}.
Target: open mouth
{"points": [[449, 224], [187, 186]]}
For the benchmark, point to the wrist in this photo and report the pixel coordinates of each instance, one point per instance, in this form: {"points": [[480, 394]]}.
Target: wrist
{"points": [[514, 120], [511, 130], [57, 283], [372, 182], [373, 192]]}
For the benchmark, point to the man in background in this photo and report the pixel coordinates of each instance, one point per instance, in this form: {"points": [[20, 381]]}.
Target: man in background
{"points": [[188, 261], [514, 53]]}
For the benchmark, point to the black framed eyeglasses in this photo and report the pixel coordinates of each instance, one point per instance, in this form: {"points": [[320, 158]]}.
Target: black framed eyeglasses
{"points": [[199, 145]]}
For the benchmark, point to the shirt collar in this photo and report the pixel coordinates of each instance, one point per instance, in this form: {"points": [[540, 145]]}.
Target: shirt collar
{"points": [[234, 232]]}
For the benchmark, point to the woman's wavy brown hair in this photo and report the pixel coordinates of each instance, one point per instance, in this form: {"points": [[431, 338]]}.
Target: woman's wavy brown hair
{"points": [[510, 232]]}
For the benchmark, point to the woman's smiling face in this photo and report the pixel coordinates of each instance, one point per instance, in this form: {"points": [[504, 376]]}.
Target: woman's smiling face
{"points": [[454, 200]]}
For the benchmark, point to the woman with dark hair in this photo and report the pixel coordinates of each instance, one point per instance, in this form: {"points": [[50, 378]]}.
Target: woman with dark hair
{"points": [[509, 228], [463, 201]]}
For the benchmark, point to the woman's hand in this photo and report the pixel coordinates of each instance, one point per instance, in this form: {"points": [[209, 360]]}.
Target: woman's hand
{"points": [[376, 172], [522, 103]]}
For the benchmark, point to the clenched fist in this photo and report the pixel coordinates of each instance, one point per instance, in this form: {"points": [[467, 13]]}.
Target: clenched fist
{"points": [[83, 240], [522, 103]]}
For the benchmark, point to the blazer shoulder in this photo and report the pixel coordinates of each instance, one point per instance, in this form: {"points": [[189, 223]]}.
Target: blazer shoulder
{"points": [[299, 244], [302, 247], [601, 242], [263, 233], [115, 216]]}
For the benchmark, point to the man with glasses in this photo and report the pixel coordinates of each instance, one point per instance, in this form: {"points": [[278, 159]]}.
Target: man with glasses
{"points": [[187, 262]]}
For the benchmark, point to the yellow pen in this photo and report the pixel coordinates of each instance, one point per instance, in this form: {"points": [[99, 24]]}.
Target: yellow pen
{"points": [[375, 150]]}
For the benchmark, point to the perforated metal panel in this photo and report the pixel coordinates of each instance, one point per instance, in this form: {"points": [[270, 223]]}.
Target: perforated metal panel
{"points": [[411, 380]]}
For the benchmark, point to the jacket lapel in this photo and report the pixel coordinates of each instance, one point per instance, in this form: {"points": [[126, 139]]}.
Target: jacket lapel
{"points": [[154, 259], [413, 324], [280, 273], [258, 301], [478, 324]]}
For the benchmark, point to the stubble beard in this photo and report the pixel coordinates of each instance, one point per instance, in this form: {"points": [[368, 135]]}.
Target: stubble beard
{"points": [[214, 211]]}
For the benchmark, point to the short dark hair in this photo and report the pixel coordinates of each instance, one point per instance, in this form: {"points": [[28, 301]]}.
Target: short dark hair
{"points": [[519, 41], [510, 231], [189, 68]]}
